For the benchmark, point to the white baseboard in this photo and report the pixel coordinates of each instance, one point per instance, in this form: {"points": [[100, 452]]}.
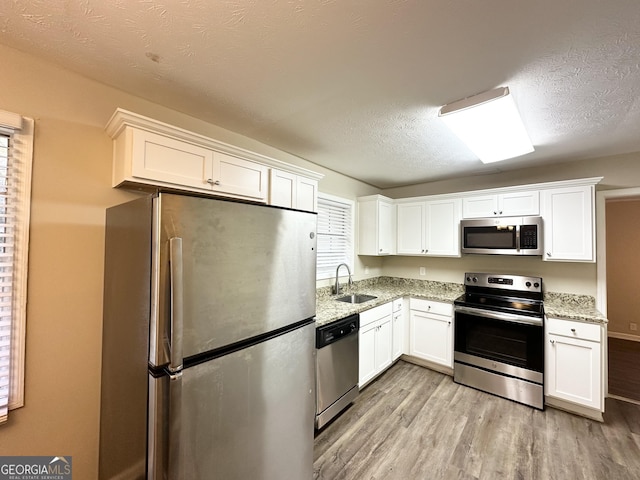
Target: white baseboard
{"points": [[624, 336]]}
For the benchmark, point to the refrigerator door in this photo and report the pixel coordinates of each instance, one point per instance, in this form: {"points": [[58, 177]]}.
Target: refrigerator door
{"points": [[248, 414], [246, 270]]}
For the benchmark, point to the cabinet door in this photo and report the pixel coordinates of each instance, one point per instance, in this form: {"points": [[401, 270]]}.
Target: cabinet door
{"points": [[384, 344], [367, 353], [306, 194], [376, 226], [386, 231], [479, 206], [410, 240], [398, 335], [568, 215], [240, 177], [572, 370], [163, 159], [282, 188], [515, 204], [430, 338], [443, 227]]}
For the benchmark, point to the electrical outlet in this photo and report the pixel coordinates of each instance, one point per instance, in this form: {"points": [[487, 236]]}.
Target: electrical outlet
{"points": [[423, 271], [633, 326]]}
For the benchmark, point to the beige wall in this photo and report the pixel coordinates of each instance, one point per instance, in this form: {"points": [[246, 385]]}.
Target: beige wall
{"points": [[71, 189], [623, 265]]}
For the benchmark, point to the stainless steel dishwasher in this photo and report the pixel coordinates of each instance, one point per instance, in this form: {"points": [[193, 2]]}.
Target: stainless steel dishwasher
{"points": [[336, 367]]}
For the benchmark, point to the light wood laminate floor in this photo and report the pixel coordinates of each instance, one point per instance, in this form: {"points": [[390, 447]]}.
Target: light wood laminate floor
{"points": [[414, 423]]}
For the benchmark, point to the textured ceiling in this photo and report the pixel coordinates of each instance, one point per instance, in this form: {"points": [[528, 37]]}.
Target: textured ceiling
{"points": [[355, 85]]}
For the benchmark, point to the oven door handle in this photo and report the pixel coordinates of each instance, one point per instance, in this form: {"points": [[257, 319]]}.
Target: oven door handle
{"points": [[507, 317]]}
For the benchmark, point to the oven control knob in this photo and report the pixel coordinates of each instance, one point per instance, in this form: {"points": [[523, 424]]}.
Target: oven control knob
{"points": [[528, 284], [536, 284], [475, 279]]}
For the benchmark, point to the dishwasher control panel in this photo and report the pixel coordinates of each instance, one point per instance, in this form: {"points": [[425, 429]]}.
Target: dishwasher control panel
{"points": [[334, 331]]}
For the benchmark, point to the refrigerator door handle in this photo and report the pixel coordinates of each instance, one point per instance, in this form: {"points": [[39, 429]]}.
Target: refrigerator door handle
{"points": [[176, 286]]}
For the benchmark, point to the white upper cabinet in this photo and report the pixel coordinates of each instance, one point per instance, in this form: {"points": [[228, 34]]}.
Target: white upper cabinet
{"points": [[292, 191], [431, 227], [411, 228], [442, 236], [376, 226], [152, 153], [508, 204], [163, 159], [238, 177], [569, 223], [154, 159]]}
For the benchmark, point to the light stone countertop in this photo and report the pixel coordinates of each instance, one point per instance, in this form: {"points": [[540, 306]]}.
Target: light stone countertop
{"points": [[572, 307], [328, 309]]}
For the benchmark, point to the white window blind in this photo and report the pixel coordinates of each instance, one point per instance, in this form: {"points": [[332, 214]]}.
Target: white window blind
{"points": [[335, 235], [16, 143]]}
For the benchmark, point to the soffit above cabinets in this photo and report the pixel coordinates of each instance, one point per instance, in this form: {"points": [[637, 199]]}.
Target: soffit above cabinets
{"points": [[356, 86]]}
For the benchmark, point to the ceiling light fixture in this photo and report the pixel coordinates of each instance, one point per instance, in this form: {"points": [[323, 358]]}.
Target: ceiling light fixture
{"points": [[489, 124]]}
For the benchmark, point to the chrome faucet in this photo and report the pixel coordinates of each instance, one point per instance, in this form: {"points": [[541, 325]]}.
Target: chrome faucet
{"points": [[336, 287]]}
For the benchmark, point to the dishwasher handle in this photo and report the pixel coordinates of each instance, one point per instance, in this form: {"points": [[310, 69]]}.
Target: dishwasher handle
{"points": [[334, 331]]}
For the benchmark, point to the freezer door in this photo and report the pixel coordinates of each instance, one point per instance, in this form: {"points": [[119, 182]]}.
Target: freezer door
{"points": [[246, 270], [248, 414]]}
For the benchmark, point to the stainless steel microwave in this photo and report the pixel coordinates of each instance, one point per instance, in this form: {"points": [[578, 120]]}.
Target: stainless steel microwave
{"points": [[502, 236]]}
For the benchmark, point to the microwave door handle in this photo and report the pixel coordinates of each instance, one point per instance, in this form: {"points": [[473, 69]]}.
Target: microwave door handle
{"points": [[517, 238], [177, 291]]}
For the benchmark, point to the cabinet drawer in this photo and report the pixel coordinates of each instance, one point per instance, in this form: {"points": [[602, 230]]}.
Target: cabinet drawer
{"points": [[568, 328], [397, 305], [430, 306], [375, 313]]}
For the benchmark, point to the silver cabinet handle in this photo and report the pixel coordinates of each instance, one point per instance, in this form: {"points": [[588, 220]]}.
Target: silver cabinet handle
{"points": [[552, 341], [176, 295], [211, 181], [573, 330], [495, 213], [548, 254]]}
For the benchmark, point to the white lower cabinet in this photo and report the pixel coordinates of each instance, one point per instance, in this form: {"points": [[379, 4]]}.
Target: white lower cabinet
{"points": [[375, 342], [573, 362], [431, 331]]}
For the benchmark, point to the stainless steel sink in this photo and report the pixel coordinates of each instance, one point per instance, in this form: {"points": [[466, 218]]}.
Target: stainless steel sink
{"points": [[356, 298]]}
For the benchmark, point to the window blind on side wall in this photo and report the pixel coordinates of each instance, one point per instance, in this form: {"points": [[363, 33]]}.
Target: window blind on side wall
{"points": [[335, 235], [6, 276], [16, 153]]}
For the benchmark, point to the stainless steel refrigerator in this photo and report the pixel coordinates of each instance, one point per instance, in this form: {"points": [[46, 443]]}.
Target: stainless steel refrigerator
{"points": [[208, 341]]}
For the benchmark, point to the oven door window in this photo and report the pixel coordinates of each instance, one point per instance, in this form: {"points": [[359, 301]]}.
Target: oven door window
{"points": [[507, 342]]}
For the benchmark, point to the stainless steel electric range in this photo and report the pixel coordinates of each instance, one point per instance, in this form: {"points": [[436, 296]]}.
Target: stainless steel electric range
{"points": [[499, 337]]}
